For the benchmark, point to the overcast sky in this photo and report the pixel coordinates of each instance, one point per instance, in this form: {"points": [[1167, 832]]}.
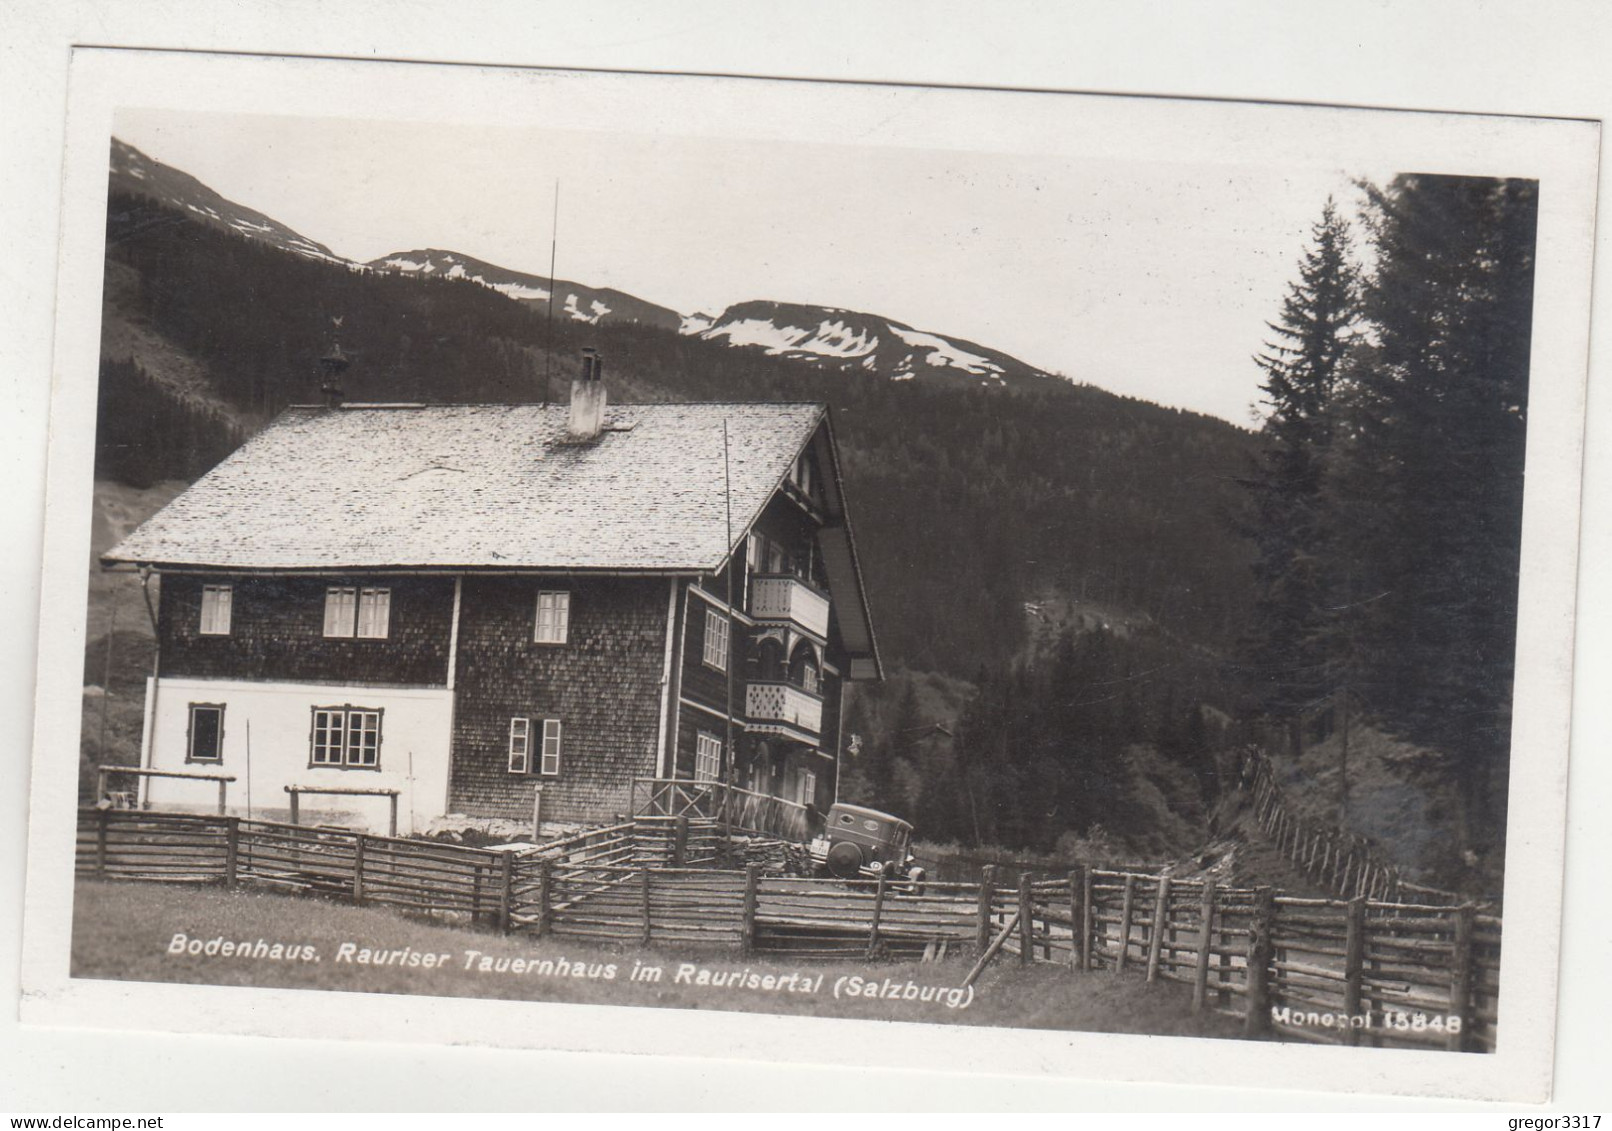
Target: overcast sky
{"points": [[1151, 279]]}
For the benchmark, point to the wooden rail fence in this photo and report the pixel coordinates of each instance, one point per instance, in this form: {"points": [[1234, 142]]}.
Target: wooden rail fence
{"points": [[1353, 971], [1335, 861]]}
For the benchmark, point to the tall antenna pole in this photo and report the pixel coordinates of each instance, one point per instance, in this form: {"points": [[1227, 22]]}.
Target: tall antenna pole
{"points": [[554, 243], [727, 499]]}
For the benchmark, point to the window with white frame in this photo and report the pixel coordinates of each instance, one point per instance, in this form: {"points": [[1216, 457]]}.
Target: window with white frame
{"points": [[550, 763], [215, 609], [204, 740], [707, 757], [553, 617], [374, 613], [808, 787], [361, 611], [520, 746], [716, 640], [346, 738]]}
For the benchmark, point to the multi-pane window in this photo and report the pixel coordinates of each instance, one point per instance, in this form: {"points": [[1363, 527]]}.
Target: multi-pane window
{"points": [[550, 764], [520, 746], [205, 738], [215, 610], [349, 737], [716, 639], [707, 757], [553, 617], [808, 787], [364, 612]]}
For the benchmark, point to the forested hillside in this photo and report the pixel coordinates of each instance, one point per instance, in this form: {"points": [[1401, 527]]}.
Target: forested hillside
{"points": [[967, 501], [1084, 599]]}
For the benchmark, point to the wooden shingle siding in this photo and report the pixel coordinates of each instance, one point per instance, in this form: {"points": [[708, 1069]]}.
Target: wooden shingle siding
{"points": [[277, 632], [603, 685]]}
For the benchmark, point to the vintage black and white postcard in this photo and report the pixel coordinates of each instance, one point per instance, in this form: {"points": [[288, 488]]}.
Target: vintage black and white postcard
{"points": [[640, 562]]}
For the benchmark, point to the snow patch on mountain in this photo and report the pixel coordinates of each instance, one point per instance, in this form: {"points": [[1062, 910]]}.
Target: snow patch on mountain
{"points": [[829, 336], [133, 172], [944, 353], [520, 290]]}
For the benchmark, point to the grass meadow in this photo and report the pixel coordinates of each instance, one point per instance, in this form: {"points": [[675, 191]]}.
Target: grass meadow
{"points": [[126, 931]]}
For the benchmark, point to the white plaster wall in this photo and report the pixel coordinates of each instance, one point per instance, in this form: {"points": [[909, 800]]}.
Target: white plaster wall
{"points": [[274, 719]]}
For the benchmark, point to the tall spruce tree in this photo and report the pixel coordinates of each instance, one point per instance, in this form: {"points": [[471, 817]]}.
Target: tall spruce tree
{"points": [[1291, 657], [1431, 476]]}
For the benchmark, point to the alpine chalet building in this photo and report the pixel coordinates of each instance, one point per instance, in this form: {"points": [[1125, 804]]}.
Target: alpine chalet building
{"points": [[471, 603]]}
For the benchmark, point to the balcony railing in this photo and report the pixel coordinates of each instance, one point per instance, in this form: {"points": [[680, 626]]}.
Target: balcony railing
{"points": [[783, 597], [784, 703], [744, 810]]}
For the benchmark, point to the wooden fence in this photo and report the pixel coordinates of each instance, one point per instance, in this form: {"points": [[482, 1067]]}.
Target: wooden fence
{"points": [[1335, 861], [1355, 971]]}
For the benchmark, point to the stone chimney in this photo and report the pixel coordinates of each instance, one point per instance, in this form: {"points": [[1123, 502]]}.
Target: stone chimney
{"points": [[588, 398]]}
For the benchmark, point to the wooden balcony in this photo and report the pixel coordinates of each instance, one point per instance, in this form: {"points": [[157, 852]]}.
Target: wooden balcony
{"points": [[781, 596], [784, 703]]}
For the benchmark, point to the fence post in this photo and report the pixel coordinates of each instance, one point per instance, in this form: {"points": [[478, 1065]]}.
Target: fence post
{"points": [[680, 841], [1206, 936], [645, 893], [1077, 918], [392, 823], [1026, 920], [232, 849], [747, 924], [545, 896], [358, 868], [1461, 978], [1258, 1018], [506, 893], [1354, 954], [1161, 914], [987, 899], [295, 799], [878, 910], [221, 786], [1125, 922], [1088, 918]]}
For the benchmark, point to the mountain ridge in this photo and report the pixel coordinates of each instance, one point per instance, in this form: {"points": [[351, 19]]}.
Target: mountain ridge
{"points": [[828, 337], [582, 303]]}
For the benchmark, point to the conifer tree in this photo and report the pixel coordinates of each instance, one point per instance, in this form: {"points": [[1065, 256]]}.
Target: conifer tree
{"points": [[1431, 479], [1291, 654]]}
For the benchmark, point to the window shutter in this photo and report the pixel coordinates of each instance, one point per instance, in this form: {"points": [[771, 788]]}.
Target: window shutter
{"points": [[520, 746], [551, 746]]}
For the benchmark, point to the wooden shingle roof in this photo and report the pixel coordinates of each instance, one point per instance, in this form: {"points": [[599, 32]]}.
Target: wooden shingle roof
{"points": [[480, 487]]}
